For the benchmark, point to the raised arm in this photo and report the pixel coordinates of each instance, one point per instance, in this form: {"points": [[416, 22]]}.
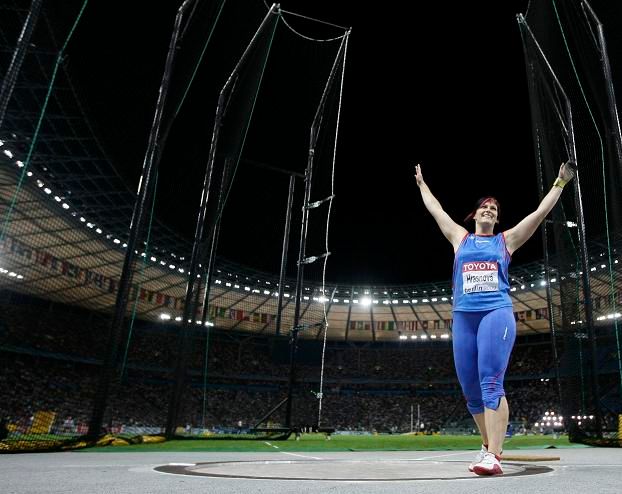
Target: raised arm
{"points": [[517, 236], [452, 231]]}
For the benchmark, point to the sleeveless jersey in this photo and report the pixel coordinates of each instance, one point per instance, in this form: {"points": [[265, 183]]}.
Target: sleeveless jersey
{"points": [[480, 278]]}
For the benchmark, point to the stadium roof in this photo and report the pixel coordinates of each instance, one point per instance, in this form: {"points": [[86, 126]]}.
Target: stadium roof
{"points": [[67, 231]]}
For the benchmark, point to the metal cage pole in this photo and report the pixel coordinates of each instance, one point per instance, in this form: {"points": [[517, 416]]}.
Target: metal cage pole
{"points": [[585, 282], [10, 78], [189, 313], [190, 309], [299, 280], [302, 259], [545, 237], [145, 189], [584, 260], [288, 220]]}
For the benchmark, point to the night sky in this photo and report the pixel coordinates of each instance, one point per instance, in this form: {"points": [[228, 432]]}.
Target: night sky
{"points": [[443, 84]]}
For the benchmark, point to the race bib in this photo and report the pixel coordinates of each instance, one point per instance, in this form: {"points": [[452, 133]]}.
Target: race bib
{"points": [[480, 276]]}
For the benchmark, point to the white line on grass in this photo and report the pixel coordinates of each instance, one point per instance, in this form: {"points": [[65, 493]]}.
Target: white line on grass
{"points": [[293, 454], [302, 456]]}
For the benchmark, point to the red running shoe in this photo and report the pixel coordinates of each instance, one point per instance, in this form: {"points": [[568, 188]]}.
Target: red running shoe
{"points": [[479, 457], [490, 465]]}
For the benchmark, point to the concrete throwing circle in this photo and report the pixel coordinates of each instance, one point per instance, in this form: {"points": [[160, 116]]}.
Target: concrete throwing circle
{"points": [[343, 470]]}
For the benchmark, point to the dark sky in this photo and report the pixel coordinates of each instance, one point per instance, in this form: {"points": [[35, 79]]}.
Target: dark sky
{"points": [[442, 84]]}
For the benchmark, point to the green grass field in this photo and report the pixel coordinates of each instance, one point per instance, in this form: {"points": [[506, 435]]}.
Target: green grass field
{"points": [[318, 443], [307, 442]]}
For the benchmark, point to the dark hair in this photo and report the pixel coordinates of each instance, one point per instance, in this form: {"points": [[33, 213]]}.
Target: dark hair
{"points": [[480, 202]]}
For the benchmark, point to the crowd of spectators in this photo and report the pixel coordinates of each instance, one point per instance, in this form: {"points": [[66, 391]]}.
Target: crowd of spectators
{"points": [[141, 400], [83, 335], [50, 360]]}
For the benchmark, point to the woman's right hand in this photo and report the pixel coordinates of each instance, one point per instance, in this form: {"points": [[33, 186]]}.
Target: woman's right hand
{"points": [[418, 175]]}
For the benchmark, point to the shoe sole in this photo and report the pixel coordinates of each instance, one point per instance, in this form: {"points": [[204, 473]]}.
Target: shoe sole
{"points": [[496, 470]]}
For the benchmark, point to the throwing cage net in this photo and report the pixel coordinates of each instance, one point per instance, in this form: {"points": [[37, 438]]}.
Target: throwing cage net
{"points": [[575, 118], [114, 321]]}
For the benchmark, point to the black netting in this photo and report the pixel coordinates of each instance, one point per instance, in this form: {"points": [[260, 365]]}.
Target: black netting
{"points": [[574, 118]]}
